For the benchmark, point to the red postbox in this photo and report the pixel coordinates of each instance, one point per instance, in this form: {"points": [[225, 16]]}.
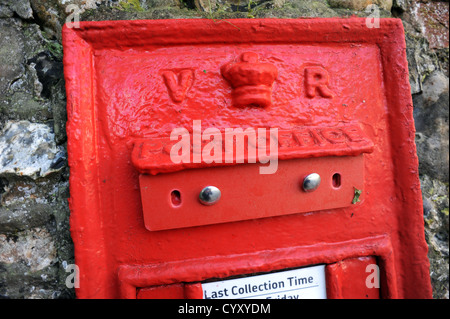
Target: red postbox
{"points": [[243, 159]]}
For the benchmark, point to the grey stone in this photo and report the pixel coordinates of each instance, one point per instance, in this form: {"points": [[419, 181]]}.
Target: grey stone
{"points": [[11, 53], [206, 5], [431, 115], [421, 62], [24, 216], [18, 282], [23, 106], [28, 149], [35, 213], [443, 55], [434, 86], [52, 14], [26, 204], [29, 71], [148, 4], [33, 248], [423, 28], [106, 13], [27, 265], [21, 7], [400, 4], [5, 12], [360, 5], [296, 9], [436, 217], [59, 111]]}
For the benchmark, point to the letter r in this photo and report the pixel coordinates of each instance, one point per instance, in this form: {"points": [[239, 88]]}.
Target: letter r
{"points": [[316, 81]]}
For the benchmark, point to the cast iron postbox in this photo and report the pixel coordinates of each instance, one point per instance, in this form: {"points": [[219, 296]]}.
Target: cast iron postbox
{"points": [[243, 159]]}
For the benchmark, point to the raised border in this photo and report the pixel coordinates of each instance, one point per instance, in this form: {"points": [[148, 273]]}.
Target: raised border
{"points": [[133, 277], [80, 44]]}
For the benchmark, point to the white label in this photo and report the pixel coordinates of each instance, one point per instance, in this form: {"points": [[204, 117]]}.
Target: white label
{"points": [[302, 283]]}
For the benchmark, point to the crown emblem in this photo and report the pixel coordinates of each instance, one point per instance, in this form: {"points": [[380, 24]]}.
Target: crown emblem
{"points": [[251, 80]]}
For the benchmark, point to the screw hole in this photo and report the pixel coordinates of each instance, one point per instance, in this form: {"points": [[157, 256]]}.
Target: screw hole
{"points": [[175, 197], [336, 180]]}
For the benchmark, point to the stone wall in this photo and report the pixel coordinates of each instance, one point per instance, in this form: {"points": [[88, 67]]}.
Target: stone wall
{"points": [[35, 243]]}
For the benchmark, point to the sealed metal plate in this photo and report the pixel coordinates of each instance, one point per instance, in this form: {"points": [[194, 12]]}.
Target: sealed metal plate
{"points": [[171, 200]]}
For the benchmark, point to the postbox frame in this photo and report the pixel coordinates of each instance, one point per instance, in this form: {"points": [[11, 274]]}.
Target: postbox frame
{"points": [[87, 224], [193, 272]]}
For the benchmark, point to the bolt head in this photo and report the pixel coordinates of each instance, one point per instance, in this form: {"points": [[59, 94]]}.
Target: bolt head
{"points": [[209, 195], [311, 182]]}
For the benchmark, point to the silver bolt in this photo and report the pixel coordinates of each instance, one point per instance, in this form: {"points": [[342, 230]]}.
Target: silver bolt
{"points": [[311, 182], [209, 195]]}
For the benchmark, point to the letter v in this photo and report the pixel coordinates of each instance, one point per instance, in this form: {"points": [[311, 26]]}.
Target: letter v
{"points": [[178, 84]]}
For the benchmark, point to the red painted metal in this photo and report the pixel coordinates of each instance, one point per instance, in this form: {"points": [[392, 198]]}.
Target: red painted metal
{"points": [[266, 196], [340, 96], [175, 291], [347, 278]]}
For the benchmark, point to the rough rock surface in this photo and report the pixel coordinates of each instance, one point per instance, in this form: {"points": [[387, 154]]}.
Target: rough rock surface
{"points": [[361, 5], [35, 243], [29, 149], [431, 118]]}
